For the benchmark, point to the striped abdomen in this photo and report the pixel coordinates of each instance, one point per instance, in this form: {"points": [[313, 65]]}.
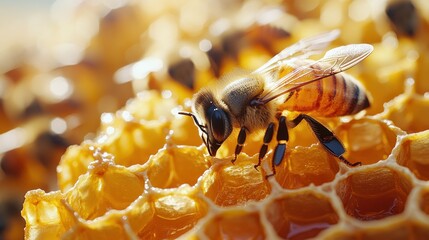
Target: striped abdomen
{"points": [[337, 95]]}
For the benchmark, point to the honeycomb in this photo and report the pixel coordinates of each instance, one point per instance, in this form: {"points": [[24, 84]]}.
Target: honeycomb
{"points": [[146, 174]]}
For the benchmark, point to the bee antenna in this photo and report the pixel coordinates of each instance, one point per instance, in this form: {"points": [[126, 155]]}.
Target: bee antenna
{"points": [[200, 126], [185, 113]]}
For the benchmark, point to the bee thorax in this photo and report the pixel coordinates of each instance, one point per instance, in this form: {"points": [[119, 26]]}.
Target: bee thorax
{"points": [[255, 118], [239, 93]]}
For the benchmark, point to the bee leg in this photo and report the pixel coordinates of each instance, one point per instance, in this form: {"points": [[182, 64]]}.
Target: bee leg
{"points": [[279, 151], [327, 138], [267, 139], [240, 143]]}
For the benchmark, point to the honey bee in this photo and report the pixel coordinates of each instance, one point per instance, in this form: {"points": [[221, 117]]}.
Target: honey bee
{"points": [[289, 81]]}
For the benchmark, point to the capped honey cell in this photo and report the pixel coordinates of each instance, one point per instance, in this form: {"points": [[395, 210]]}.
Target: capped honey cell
{"points": [[174, 166], [104, 187], [74, 163], [235, 184], [133, 142]]}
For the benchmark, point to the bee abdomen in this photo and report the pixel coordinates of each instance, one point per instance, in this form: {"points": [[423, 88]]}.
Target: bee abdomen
{"points": [[359, 101], [337, 95]]}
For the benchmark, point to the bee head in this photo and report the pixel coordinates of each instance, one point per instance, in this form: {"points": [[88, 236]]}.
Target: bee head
{"points": [[218, 128], [215, 126]]}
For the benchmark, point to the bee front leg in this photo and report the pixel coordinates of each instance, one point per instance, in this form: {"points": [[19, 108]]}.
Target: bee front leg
{"points": [[240, 143], [326, 138], [267, 139], [279, 151]]}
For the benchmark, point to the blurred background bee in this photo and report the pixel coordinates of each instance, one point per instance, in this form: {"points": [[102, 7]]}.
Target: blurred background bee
{"points": [[289, 81]]}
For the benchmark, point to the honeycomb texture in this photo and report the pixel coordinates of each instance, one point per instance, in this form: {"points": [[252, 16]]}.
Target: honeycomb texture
{"points": [[146, 175]]}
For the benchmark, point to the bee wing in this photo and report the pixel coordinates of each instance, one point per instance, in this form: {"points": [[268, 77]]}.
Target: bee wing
{"points": [[302, 49], [335, 61]]}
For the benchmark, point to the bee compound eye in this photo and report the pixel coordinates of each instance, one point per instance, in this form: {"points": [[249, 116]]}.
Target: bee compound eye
{"points": [[218, 124], [219, 127]]}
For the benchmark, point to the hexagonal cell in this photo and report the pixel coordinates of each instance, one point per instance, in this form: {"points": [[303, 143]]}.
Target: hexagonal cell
{"points": [[230, 184], [374, 193], [235, 224], [124, 224], [174, 166], [366, 140], [409, 111], [397, 230], [419, 230], [301, 215], [105, 187], [130, 141], [174, 214], [303, 166], [44, 213], [414, 154], [400, 230], [424, 201], [74, 163]]}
